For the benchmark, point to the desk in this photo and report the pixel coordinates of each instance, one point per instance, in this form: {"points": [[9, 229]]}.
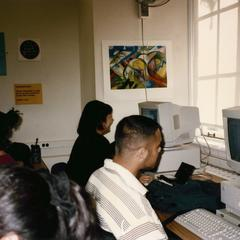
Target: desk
{"points": [[180, 231], [176, 228]]}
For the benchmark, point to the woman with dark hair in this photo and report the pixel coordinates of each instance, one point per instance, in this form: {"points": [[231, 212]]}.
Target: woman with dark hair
{"points": [[91, 148], [40, 206]]}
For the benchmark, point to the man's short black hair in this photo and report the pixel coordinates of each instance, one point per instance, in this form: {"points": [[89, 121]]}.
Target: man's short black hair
{"points": [[133, 129]]}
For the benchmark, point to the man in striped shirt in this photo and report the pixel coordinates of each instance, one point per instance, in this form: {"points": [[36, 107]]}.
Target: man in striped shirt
{"points": [[120, 198]]}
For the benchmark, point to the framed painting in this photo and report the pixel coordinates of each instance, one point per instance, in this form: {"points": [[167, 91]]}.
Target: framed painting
{"points": [[131, 68]]}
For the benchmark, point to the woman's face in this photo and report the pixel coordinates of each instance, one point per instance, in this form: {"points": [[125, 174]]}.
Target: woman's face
{"points": [[107, 124]]}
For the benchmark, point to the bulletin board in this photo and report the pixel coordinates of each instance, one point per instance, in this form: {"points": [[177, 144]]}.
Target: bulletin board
{"points": [[28, 94]]}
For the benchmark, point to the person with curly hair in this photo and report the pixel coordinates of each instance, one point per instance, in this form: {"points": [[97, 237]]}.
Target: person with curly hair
{"points": [[10, 122], [5, 158], [40, 206]]}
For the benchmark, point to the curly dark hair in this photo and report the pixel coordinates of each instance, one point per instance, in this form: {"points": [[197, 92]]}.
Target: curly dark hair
{"points": [[37, 206], [8, 121]]}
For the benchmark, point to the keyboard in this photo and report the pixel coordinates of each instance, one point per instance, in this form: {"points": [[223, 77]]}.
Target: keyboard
{"points": [[208, 226], [225, 174]]}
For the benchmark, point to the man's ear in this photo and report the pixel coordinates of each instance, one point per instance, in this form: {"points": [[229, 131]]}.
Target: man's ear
{"points": [[10, 236], [142, 154]]}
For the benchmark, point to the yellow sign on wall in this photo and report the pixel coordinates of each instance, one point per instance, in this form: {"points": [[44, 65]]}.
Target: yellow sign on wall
{"points": [[28, 94]]}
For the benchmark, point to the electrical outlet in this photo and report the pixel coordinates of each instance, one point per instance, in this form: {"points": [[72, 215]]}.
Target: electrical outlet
{"points": [[45, 144]]}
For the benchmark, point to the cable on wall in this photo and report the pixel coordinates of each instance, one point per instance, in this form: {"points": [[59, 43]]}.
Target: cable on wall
{"points": [[144, 12], [144, 58]]}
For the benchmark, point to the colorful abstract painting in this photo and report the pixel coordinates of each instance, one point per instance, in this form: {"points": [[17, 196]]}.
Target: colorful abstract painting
{"points": [[133, 67]]}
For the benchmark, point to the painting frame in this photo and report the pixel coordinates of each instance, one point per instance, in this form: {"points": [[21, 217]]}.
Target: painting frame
{"points": [[156, 93]]}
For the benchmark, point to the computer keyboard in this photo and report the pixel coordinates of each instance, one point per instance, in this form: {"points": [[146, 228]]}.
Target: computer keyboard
{"points": [[225, 174], [208, 226]]}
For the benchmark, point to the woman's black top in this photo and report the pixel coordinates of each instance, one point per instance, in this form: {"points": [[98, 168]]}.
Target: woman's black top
{"points": [[88, 155]]}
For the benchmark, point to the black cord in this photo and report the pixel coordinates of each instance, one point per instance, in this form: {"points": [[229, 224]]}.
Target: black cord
{"points": [[148, 3], [159, 4]]}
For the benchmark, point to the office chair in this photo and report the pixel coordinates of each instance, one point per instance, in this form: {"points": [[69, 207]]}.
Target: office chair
{"points": [[58, 167]]}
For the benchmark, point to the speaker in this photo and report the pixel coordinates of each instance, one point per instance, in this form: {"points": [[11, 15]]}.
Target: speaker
{"points": [[143, 10]]}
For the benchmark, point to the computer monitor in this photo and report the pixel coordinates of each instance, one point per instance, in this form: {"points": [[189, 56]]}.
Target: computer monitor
{"points": [[178, 122], [231, 126]]}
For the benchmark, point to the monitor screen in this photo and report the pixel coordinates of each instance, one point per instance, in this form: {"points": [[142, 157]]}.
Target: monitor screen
{"points": [[234, 138], [150, 113], [231, 126]]}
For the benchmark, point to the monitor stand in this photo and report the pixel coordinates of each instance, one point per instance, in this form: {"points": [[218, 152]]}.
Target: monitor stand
{"points": [[173, 157]]}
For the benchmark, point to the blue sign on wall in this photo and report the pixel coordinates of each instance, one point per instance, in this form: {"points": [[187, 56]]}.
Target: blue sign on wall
{"points": [[3, 69]]}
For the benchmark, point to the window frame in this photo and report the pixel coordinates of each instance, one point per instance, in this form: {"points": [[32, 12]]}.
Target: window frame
{"points": [[209, 129]]}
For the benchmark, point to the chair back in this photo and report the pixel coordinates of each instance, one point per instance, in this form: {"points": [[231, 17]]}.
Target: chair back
{"points": [[58, 167]]}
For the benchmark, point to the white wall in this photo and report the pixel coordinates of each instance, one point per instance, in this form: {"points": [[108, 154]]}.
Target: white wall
{"points": [[118, 20], [86, 46], [55, 23]]}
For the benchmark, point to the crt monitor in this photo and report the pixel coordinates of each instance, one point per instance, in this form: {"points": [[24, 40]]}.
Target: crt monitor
{"points": [[178, 122], [231, 126]]}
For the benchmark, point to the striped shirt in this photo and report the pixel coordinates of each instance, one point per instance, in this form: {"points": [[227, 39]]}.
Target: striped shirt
{"points": [[122, 206]]}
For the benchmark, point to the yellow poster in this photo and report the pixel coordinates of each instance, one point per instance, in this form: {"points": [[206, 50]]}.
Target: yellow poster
{"points": [[28, 94]]}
